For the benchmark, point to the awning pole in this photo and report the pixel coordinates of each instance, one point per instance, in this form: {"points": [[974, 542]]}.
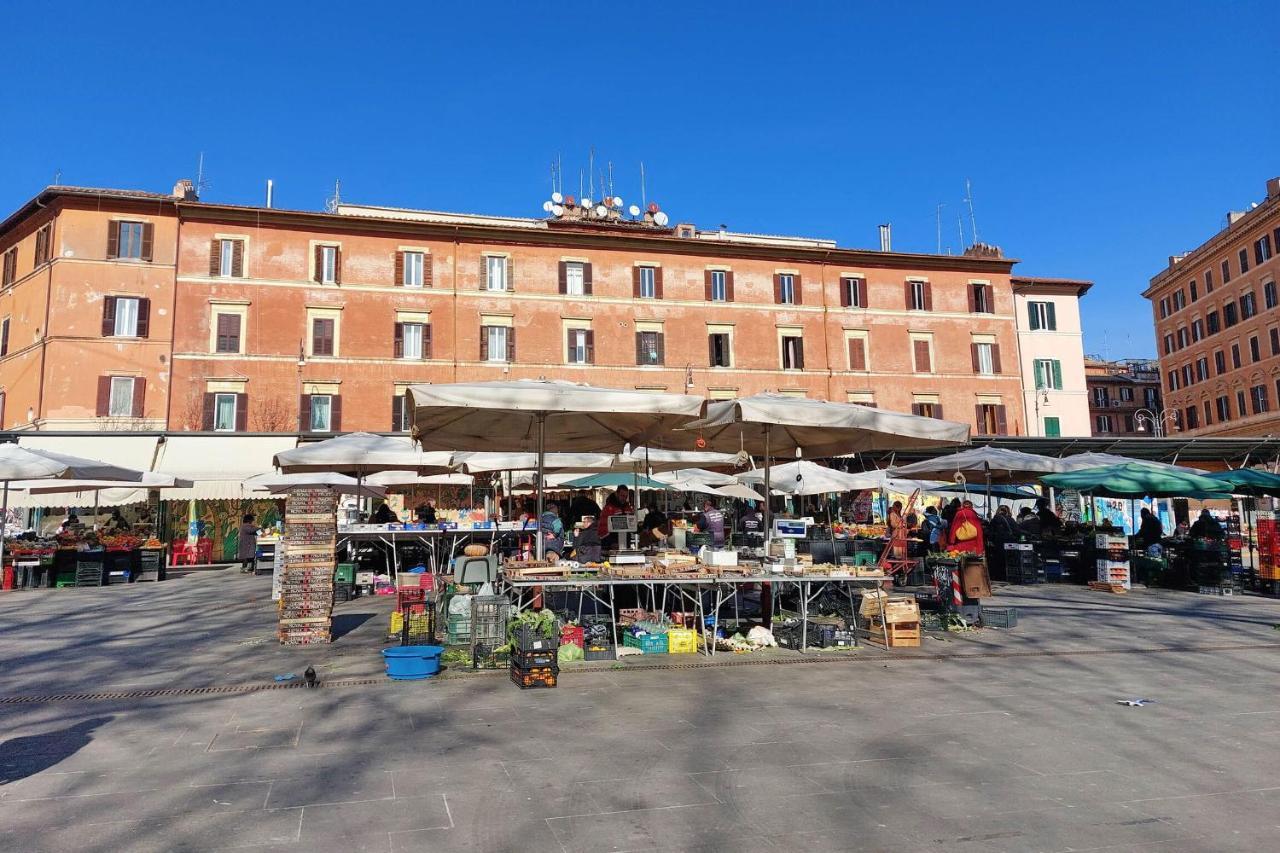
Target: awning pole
{"points": [[768, 510], [4, 523], [542, 458]]}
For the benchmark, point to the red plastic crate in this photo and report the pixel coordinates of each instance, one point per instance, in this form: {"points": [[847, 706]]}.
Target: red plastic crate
{"points": [[572, 634]]}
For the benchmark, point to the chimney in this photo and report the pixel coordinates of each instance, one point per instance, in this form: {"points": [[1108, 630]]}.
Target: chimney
{"points": [[1234, 216], [1273, 187], [886, 237], [184, 190]]}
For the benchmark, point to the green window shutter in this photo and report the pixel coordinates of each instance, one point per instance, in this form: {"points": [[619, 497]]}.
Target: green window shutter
{"points": [[1053, 319], [1052, 428], [1031, 316], [1057, 375], [1039, 370]]}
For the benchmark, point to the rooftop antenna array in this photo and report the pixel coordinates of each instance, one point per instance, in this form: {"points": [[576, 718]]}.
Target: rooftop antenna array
{"points": [[968, 199], [331, 204], [609, 209], [201, 181]]}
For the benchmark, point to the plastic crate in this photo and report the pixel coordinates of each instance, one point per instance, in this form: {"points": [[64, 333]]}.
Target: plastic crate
{"points": [[631, 615], [528, 659], [528, 640], [649, 644], [345, 573], [682, 641], [572, 634], [531, 679], [999, 617], [598, 651], [488, 657]]}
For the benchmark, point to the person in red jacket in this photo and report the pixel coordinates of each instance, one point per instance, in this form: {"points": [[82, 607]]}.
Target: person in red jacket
{"points": [[965, 532], [616, 504]]}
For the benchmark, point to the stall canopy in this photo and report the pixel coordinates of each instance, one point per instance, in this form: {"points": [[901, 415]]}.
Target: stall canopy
{"points": [[736, 490], [339, 483], [360, 453], [97, 492], [977, 463], [218, 465], [1136, 480], [402, 481], [694, 476], [807, 478], [1248, 481], [476, 462], [611, 481], [1080, 461]]}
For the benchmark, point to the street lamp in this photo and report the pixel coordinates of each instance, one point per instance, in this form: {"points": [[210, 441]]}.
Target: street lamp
{"points": [[1157, 421], [1041, 399]]}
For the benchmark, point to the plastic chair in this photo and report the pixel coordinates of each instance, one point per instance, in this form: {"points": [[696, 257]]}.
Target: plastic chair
{"points": [[180, 553], [204, 552]]}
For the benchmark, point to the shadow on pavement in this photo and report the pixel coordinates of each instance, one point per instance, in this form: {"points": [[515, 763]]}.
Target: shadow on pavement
{"points": [[21, 757], [345, 623]]}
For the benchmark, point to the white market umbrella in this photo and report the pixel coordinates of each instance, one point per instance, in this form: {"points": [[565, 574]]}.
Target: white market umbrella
{"points": [[338, 483], [481, 461], [405, 480], [681, 476], [1080, 461], [538, 416], [25, 463], [149, 480], [992, 464], [360, 453], [736, 490], [807, 478]]}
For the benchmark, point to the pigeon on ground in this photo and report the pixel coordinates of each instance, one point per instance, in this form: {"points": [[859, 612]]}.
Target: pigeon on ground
{"points": [[1135, 703], [310, 676]]}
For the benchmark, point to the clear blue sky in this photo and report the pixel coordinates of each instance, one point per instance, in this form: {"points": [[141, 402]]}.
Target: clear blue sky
{"points": [[1099, 139]]}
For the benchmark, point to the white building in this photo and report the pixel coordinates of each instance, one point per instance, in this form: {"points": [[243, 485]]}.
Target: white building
{"points": [[1051, 355]]}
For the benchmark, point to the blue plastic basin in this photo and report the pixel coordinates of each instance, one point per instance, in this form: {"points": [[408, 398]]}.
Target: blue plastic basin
{"points": [[410, 663]]}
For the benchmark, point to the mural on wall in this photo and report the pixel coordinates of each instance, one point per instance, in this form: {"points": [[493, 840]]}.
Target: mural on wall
{"points": [[219, 521]]}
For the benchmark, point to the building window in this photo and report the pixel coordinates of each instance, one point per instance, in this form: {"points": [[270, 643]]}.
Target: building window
{"points": [[327, 264], [574, 279], [1262, 249], [792, 352], [858, 352], [1048, 374], [1186, 376], [1226, 271], [224, 412], [1194, 293], [227, 333], [1182, 337], [1202, 369], [1102, 423], [1173, 379], [1240, 404], [1164, 307], [1179, 300], [922, 352], [1229, 315], [1244, 261], [918, 296], [1220, 362], [130, 240], [1168, 344], [44, 245], [1042, 316], [1235, 356], [1211, 320], [495, 267], [786, 288], [321, 413], [648, 283], [497, 344], [991, 419], [1258, 394], [1151, 396], [322, 336], [1269, 294], [1101, 396], [121, 403], [927, 410], [718, 285], [581, 346], [1126, 395], [1208, 283], [1197, 330], [1052, 427], [1275, 341], [649, 348], [981, 295], [1248, 305], [1192, 418], [412, 341], [1208, 413], [10, 267], [1224, 409], [721, 351], [4, 339], [1255, 351], [227, 258], [414, 266], [983, 360], [853, 292], [125, 317]]}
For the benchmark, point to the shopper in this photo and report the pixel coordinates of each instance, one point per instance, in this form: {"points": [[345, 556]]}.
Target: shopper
{"points": [[383, 515], [950, 510], [1029, 522], [965, 531], [552, 529], [427, 512], [933, 528], [1049, 521], [1150, 531], [711, 521], [1206, 527], [247, 549], [897, 531], [1003, 527]]}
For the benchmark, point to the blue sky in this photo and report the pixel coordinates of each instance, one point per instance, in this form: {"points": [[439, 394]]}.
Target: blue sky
{"points": [[1099, 139]]}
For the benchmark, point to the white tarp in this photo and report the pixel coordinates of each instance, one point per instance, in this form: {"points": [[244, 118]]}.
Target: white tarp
{"points": [[808, 478], [361, 453], [1004, 466], [339, 483], [218, 464], [475, 462]]}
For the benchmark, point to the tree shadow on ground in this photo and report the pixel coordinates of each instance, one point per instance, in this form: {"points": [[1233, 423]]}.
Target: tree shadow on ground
{"points": [[21, 757], [345, 623]]}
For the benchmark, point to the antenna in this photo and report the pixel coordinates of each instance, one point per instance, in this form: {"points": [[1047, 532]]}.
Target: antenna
{"points": [[331, 204], [591, 172], [580, 193], [201, 183], [610, 178], [968, 199], [940, 206], [960, 225], [57, 178], [643, 199], [559, 174]]}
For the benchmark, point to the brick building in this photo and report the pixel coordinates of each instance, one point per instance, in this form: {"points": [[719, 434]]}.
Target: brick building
{"points": [[1124, 398], [1218, 328], [130, 310]]}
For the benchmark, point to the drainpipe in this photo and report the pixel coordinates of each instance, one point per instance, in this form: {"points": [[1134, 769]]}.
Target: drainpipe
{"points": [[455, 302], [1022, 375], [44, 331], [826, 330], [173, 319]]}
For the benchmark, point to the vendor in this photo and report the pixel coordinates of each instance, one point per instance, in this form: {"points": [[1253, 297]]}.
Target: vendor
{"points": [[618, 503], [933, 529], [1206, 527], [552, 529], [1150, 531], [1029, 522], [116, 523], [897, 531], [427, 512], [383, 515], [71, 524], [581, 507], [655, 528], [711, 521], [965, 531], [752, 522], [586, 545], [1050, 524]]}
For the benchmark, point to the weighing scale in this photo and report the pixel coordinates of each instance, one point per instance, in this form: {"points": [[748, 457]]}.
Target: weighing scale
{"points": [[628, 552]]}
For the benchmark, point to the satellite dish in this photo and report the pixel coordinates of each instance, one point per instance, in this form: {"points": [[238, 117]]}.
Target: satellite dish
{"points": [[634, 210], [557, 210], [653, 207], [660, 218], [586, 202], [617, 201], [602, 211], [546, 206], [556, 198]]}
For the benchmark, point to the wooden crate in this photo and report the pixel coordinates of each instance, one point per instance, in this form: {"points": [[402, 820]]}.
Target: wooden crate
{"points": [[901, 634], [1103, 586]]}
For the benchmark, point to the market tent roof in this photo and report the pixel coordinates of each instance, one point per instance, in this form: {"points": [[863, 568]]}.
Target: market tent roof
{"points": [[1004, 466], [1080, 461], [218, 464], [1013, 493], [737, 490], [477, 461], [1249, 481], [660, 459], [361, 453], [39, 493], [1135, 480], [806, 478], [136, 452], [613, 480], [682, 476], [400, 481], [778, 424], [883, 479], [340, 483], [581, 418]]}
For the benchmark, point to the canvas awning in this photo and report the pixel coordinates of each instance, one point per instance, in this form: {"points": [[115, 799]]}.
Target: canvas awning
{"points": [[219, 464]]}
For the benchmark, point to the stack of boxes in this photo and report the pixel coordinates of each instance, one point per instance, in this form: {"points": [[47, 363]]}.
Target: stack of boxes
{"points": [[535, 660], [1268, 551], [306, 585], [1112, 559]]}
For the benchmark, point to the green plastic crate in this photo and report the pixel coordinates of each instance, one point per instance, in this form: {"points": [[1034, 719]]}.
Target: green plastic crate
{"points": [[345, 573], [649, 644]]}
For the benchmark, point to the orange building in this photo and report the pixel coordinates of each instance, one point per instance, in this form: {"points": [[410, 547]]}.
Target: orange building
{"points": [[262, 319], [1218, 327]]}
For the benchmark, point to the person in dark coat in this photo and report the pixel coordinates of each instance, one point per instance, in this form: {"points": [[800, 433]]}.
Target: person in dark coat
{"points": [[1150, 531]]}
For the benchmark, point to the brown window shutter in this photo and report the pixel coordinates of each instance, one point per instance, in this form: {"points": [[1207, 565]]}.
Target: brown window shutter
{"points": [[484, 272], [428, 271], [144, 317], [148, 240], [635, 282], [973, 304], [937, 411], [398, 263], [991, 300], [304, 413], [564, 277], [237, 258], [4, 337], [484, 343], [104, 396], [639, 347], [657, 282], [928, 296], [571, 356], [139, 395], [108, 316], [426, 341], [777, 289], [398, 341], [857, 354], [319, 260], [511, 344], [113, 239], [706, 285], [917, 409], [797, 289], [397, 413], [206, 413], [586, 279], [846, 297], [215, 258], [973, 357], [711, 350], [337, 265], [995, 358], [728, 286], [907, 291], [591, 347], [862, 293], [662, 347], [335, 413], [922, 356], [242, 413], [980, 420], [1002, 424]]}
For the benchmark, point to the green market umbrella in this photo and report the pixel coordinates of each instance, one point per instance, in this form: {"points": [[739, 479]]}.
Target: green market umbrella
{"points": [[609, 481], [1135, 480], [1248, 481]]}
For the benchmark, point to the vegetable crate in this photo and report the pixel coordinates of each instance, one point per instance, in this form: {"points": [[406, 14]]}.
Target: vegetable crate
{"points": [[458, 630], [488, 657], [649, 644], [598, 650], [488, 624], [529, 638], [572, 634], [901, 634], [422, 626], [629, 615], [999, 617], [534, 678], [533, 659], [682, 641]]}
